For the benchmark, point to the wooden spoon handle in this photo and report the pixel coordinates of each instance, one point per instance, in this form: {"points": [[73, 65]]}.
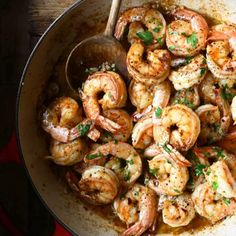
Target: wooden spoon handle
{"points": [[115, 7]]}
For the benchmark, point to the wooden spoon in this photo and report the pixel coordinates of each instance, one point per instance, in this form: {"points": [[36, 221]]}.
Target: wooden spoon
{"points": [[96, 50]]}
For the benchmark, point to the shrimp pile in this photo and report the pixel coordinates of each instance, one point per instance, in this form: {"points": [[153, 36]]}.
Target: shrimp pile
{"points": [[160, 143]]}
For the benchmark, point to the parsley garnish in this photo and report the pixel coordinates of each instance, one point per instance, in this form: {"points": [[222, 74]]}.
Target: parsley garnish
{"points": [[146, 37], [159, 40], [172, 47], [214, 185], [202, 71], [83, 129], [158, 112], [192, 39], [226, 201], [93, 156], [153, 171], [168, 150], [176, 190], [157, 29], [115, 141], [198, 170], [131, 162], [126, 174]]}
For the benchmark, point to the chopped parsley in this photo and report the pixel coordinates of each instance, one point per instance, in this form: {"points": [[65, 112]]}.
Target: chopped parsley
{"points": [[184, 34], [136, 193], [157, 29], [126, 174], [158, 112], [168, 150], [146, 37], [93, 156], [208, 172], [198, 170], [173, 32], [219, 153], [226, 200], [188, 59], [172, 47], [225, 94], [214, 185], [83, 129], [115, 141], [107, 134], [153, 171], [159, 40], [202, 71], [183, 101], [176, 190], [192, 39], [131, 162]]}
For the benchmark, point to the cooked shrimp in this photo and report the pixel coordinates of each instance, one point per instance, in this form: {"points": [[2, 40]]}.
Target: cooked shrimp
{"points": [[152, 151], [191, 74], [98, 185], [63, 120], [221, 179], [221, 53], [137, 207], [215, 120], [67, 153], [188, 97], [151, 19], [142, 134], [187, 35], [186, 126], [177, 210], [140, 95], [208, 87], [211, 205], [150, 71], [115, 97], [233, 109], [169, 178], [160, 95], [133, 168], [122, 118]]}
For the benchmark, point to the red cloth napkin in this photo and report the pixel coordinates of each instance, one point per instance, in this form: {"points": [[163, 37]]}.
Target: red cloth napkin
{"points": [[10, 154]]}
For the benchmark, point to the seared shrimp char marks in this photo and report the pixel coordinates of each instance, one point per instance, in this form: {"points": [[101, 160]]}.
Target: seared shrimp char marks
{"points": [[68, 153], [122, 118], [177, 210], [124, 151], [137, 207], [168, 177], [221, 52], [147, 25], [63, 120], [187, 35], [211, 205], [177, 125], [115, 96], [190, 74], [150, 71]]}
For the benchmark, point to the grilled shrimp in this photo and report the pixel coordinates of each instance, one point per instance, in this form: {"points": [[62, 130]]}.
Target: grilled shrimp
{"points": [[215, 120], [137, 207], [177, 210], [63, 120], [67, 153], [151, 19], [154, 69], [168, 177], [98, 185], [233, 109], [130, 172], [191, 74], [122, 118], [152, 151], [185, 124], [221, 52], [188, 97], [211, 205], [115, 97], [187, 35], [142, 134]]}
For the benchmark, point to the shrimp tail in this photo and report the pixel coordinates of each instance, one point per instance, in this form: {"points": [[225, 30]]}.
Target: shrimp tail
{"points": [[137, 230]]}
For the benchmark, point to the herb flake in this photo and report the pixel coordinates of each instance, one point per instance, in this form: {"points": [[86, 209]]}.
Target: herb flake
{"points": [[193, 40], [214, 185], [198, 170], [158, 112], [146, 37], [84, 128]]}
